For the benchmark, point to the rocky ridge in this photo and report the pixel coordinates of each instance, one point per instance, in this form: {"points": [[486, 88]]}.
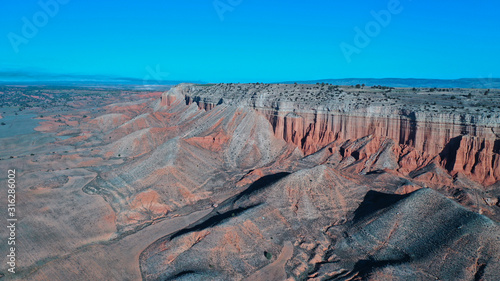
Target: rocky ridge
{"points": [[464, 139]]}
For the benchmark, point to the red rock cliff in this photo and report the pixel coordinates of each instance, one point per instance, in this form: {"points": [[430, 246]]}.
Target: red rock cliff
{"points": [[460, 143]]}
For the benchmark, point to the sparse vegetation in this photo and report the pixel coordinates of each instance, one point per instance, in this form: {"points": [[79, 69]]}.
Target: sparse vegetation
{"points": [[268, 255]]}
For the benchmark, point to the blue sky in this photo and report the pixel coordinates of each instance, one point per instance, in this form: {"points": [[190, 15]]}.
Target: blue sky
{"points": [[252, 40]]}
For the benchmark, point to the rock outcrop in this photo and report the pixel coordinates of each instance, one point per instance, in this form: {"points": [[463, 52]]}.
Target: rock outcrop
{"points": [[461, 141]]}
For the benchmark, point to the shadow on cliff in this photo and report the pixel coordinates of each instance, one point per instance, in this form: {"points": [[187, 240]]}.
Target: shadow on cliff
{"points": [[233, 206], [212, 221], [449, 153], [373, 202], [496, 147], [259, 184]]}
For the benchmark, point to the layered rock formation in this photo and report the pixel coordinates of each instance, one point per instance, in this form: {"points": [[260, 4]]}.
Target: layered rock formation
{"points": [[459, 140], [262, 182]]}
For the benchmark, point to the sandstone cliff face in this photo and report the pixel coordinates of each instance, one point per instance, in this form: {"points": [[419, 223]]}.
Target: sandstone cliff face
{"points": [[461, 142]]}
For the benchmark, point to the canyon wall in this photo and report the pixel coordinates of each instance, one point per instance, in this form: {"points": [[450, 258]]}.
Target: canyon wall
{"points": [[459, 142]]}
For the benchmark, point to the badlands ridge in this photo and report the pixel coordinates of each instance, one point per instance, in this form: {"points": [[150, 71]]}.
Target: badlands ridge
{"points": [[263, 182]]}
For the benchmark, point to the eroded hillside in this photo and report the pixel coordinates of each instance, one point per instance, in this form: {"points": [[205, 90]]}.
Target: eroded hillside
{"points": [[265, 182]]}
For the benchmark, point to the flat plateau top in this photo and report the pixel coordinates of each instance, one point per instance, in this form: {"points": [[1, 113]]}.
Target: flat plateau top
{"points": [[474, 105]]}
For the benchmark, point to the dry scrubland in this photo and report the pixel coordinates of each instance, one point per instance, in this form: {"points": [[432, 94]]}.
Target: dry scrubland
{"points": [[255, 182]]}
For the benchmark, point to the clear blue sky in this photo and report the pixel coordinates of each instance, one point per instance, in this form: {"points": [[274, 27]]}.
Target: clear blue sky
{"points": [[254, 40]]}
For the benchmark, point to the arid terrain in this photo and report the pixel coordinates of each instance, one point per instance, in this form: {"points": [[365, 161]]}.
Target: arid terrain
{"points": [[253, 182]]}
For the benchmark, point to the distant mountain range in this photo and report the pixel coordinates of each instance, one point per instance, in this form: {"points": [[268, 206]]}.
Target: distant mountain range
{"points": [[25, 78], [33, 78], [487, 83]]}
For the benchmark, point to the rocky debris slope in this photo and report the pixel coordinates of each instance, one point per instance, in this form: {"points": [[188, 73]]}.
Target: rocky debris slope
{"points": [[317, 233], [420, 236]]}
